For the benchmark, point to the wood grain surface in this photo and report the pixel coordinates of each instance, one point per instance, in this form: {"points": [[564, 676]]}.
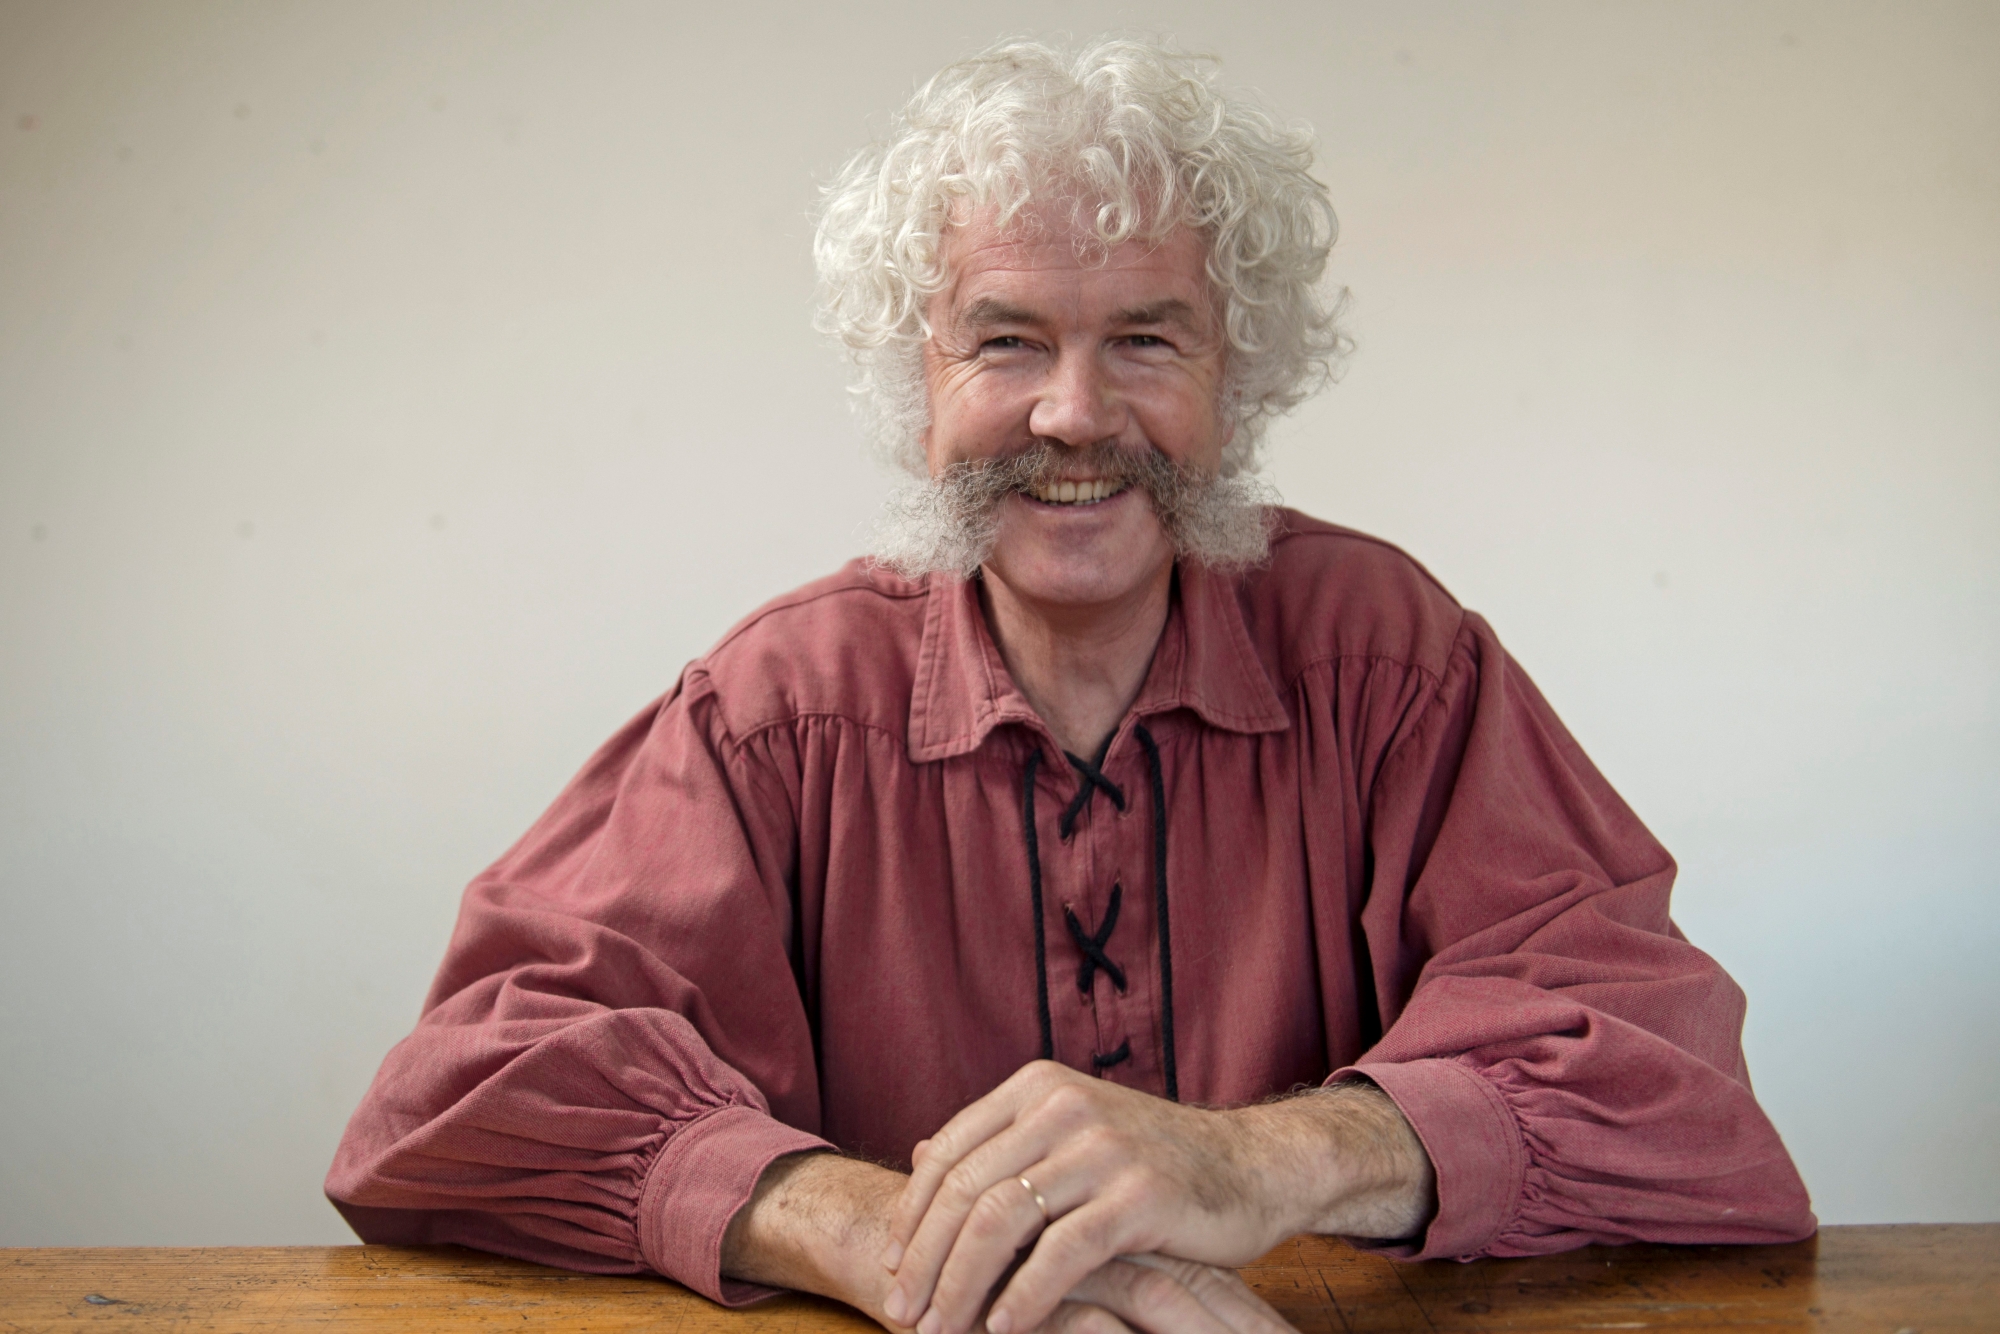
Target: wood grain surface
{"points": [[1884, 1280]]}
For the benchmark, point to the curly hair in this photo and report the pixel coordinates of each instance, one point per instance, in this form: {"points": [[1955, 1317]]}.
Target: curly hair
{"points": [[1134, 137]]}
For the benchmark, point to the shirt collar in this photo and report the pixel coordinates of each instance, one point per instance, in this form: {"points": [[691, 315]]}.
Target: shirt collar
{"points": [[1204, 663]]}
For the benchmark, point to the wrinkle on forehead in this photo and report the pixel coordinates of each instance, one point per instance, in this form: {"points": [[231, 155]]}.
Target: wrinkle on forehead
{"points": [[987, 311], [978, 248]]}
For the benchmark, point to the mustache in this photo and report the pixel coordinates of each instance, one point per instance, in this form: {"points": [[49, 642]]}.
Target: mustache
{"points": [[949, 522], [976, 483]]}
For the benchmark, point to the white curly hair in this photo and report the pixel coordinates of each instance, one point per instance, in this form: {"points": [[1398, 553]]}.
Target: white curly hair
{"points": [[1135, 137]]}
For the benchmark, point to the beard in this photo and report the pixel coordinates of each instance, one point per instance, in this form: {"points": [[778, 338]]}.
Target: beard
{"points": [[947, 524]]}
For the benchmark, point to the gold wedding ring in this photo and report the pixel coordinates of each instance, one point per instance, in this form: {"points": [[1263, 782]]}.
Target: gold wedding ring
{"points": [[1036, 1196]]}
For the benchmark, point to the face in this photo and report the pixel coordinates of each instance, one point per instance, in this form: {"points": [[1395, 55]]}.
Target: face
{"points": [[1033, 345]]}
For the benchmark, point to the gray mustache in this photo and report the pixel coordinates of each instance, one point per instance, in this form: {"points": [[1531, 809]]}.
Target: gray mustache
{"points": [[989, 480], [948, 523]]}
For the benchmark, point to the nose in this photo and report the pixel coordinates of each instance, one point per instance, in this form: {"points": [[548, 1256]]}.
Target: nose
{"points": [[1077, 405]]}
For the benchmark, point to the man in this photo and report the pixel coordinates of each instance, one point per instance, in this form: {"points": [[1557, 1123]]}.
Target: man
{"points": [[1049, 853]]}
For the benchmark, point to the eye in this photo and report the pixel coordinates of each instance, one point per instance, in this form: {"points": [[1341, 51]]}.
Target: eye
{"points": [[1146, 341], [1004, 343]]}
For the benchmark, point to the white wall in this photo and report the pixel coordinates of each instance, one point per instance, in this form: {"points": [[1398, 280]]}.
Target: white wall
{"points": [[393, 396]]}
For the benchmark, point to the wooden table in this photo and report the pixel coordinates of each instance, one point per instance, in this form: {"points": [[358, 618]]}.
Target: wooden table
{"points": [[1885, 1280]]}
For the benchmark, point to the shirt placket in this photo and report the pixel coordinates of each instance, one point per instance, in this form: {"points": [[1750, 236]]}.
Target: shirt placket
{"points": [[1103, 923]]}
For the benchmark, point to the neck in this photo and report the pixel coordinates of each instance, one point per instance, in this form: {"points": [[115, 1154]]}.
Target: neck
{"points": [[1080, 666]]}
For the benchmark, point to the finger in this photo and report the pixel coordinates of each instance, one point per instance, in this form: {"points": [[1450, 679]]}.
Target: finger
{"points": [[1083, 1318], [991, 1206], [973, 1126], [973, 1259], [1068, 1250], [1001, 1163], [983, 1215], [892, 1254], [1149, 1298], [1221, 1290]]}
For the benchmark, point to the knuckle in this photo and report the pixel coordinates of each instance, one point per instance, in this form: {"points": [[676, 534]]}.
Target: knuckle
{"points": [[1123, 1198], [1089, 1235], [943, 1146], [1097, 1320], [960, 1188], [1069, 1103], [991, 1214], [1046, 1279], [1114, 1281], [1226, 1278], [1037, 1075], [1101, 1138], [1063, 1319], [1202, 1278], [1151, 1289]]}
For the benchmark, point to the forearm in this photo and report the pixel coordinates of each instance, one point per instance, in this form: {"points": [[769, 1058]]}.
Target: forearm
{"points": [[817, 1223], [1340, 1161]]}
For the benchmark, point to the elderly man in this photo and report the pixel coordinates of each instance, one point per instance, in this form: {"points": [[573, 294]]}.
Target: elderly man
{"points": [[1149, 873]]}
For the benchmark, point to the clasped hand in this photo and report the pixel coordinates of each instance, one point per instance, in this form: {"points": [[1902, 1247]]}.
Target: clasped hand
{"points": [[1086, 1172]]}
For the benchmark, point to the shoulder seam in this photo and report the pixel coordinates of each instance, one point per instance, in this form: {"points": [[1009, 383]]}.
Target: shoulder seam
{"points": [[1436, 679], [795, 599], [702, 686], [1437, 694], [758, 729], [1323, 530]]}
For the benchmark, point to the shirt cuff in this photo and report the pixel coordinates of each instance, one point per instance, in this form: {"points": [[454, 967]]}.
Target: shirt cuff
{"points": [[1475, 1146], [703, 1175]]}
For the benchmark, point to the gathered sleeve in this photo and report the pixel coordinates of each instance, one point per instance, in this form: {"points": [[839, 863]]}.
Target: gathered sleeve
{"points": [[615, 1046], [1572, 1064]]}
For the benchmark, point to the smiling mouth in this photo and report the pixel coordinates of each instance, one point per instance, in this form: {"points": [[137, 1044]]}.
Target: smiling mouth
{"points": [[1089, 491]]}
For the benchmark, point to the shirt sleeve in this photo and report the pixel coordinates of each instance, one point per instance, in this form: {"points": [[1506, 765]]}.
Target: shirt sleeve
{"points": [[615, 1046], [1572, 1064]]}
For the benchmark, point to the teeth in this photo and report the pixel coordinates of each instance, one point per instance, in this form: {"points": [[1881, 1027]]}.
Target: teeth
{"points": [[1076, 493]]}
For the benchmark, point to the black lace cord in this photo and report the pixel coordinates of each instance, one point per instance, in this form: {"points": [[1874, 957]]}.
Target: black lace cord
{"points": [[1160, 905], [1093, 781], [1035, 902], [1092, 947]]}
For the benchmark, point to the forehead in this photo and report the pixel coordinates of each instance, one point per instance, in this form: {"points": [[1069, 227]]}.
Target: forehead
{"points": [[1066, 267]]}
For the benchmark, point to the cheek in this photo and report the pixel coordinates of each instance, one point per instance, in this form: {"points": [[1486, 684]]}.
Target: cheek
{"points": [[1190, 426], [973, 413]]}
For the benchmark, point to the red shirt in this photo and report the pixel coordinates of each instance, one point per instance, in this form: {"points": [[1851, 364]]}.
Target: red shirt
{"points": [[792, 904]]}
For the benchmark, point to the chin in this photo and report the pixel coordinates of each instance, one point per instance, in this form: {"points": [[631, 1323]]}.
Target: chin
{"points": [[1079, 578], [1080, 558], [1082, 588]]}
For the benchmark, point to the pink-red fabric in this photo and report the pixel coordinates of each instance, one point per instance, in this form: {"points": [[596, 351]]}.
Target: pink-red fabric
{"points": [[788, 907]]}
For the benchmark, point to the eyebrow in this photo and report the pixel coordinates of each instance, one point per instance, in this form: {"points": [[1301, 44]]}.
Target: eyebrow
{"points": [[992, 310], [1171, 311]]}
